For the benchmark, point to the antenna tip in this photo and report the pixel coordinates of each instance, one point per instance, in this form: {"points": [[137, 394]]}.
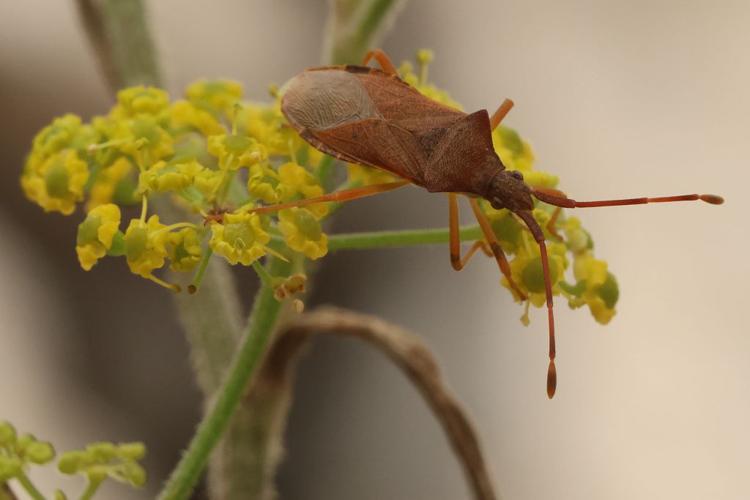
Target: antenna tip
{"points": [[192, 289], [712, 199], [551, 379]]}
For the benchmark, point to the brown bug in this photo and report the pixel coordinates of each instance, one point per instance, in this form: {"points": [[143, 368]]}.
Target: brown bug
{"points": [[372, 117]]}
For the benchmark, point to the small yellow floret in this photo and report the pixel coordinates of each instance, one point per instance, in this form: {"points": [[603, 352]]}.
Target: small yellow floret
{"points": [[241, 238], [218, 96], [184, 249], [140, 100], [56, 184], [145, 246], [302, 232], [235, 151], [95, 234], [107, 182]]}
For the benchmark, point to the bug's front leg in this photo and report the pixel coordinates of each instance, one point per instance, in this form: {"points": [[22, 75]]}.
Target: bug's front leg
{"points": [[457, 261], [490, 242], [382, 59]]}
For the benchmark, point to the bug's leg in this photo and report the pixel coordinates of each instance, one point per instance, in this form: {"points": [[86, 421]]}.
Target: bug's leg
{"points": [[340, 196], [457, 261], [552, 221], [539, 237], [498, 115], [489, 235], [382, 59]]}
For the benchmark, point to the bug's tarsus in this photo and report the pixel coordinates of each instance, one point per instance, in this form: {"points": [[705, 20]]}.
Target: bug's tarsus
{"points": [[552, 222], [382, 58], [500, 113]]}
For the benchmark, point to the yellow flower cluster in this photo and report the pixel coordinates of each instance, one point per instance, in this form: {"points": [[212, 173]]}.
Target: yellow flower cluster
{"points": [[213, 156], [217, 158]]}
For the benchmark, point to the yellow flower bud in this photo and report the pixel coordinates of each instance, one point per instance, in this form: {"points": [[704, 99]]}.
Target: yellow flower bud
{"points": [[140, 100], [235, 151], [56, 184], [185, 115], [112, 182], [184, 249], [145, 246], [241, 238], [217, 96], [302, 232], [95, 234]]}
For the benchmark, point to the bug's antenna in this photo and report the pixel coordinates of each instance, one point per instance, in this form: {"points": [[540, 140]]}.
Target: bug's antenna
{"points": [[558, 198], [526, 216]]}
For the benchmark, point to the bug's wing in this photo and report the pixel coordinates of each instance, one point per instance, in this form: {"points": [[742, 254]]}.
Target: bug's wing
{"points": [[374, 142], [403, 105]]}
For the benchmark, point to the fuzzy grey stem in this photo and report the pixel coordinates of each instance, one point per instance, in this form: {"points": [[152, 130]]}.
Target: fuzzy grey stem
{"points": [[212, 322]]}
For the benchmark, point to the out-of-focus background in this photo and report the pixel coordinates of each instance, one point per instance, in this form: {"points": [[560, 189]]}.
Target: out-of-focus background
{"points": [[617, 98]]}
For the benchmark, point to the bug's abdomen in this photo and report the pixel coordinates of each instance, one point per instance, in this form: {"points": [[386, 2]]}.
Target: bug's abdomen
{"points": [[324, 99]]}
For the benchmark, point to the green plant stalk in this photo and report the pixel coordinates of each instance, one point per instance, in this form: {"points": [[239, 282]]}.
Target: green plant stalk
{"points": [[397, 239], [372, 21], [91, 488], [246, 362], [29, 487], [354, 28]]}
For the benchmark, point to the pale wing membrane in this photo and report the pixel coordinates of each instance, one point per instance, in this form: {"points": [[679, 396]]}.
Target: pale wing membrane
{"points": [[319, 100]]}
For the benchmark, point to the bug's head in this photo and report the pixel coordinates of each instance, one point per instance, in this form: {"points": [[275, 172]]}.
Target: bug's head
{"points": [[508, 190]]}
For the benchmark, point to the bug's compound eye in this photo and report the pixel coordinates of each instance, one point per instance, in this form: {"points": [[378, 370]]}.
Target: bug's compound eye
{"points": [[516, 175]]}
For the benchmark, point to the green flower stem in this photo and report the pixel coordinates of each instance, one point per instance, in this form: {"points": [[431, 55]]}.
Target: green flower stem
{"points": [[396, 239], [198, 278], [372, 21], [91, 488], [246, 362], [29, 487], [354, 28]]}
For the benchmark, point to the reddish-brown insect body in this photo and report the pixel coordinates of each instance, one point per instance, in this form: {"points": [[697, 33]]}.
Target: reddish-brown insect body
{"points": [[366, 116], [371, 117]]}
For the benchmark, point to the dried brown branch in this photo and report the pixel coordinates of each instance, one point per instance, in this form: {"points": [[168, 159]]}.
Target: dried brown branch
{"points": [[6, 493], [401, 347]]}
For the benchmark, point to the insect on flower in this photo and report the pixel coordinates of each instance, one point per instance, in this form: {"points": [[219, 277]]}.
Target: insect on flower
{"points": [[371, 117]]}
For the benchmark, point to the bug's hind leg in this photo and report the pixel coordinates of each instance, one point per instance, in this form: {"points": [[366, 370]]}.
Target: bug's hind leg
{"points": [[457, 261], [382, 59], [338, 196], [500, 113]]}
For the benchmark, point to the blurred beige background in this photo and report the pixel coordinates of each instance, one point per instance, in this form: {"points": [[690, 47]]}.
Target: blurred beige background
{"points": [[618, 99]]}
